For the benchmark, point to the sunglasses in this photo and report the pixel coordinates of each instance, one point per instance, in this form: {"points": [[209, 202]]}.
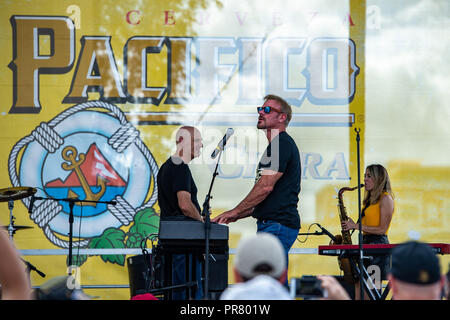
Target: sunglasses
{"points": [[267, 109]]}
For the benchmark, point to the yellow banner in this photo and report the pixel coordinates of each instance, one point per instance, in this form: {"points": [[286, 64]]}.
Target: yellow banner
{"points": [[93, 93]]}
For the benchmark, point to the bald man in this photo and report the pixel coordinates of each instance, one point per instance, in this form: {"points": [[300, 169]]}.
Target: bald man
{"points": [[177, 192], [177, 197]]}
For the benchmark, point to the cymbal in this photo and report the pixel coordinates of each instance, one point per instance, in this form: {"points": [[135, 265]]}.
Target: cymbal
{"points": [[16, 193]]}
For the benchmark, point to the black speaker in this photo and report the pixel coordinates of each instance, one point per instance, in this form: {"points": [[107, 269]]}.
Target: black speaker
{"points": [[218, 272], [138, 271]]}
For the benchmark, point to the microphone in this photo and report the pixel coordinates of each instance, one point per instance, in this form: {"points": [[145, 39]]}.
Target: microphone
{"points": [[31, 267], [222, 143], [327, 233], [30, 207]]}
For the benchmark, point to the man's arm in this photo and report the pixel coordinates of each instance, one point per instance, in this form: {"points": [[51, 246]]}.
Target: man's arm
{"points": [[187, 207], [259, 192]]}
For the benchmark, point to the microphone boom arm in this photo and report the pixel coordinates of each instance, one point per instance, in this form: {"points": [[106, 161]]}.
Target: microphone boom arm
{"points": [[222, 143]]}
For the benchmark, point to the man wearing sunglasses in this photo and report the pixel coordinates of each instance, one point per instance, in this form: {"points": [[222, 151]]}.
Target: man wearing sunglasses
{"points": [[274, 197]]}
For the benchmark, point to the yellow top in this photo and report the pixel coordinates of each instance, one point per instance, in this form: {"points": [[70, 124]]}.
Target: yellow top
{"points": [[372, 215]]}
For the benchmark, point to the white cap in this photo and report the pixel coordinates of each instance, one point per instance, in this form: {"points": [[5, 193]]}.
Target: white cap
{"points": [[262, 248]]}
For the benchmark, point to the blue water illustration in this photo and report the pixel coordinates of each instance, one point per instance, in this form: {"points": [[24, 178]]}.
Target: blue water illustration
{"points": [[84, 209]]}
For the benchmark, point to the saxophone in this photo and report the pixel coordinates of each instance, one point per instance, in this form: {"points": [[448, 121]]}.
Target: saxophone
{"points": [[345, 238]]}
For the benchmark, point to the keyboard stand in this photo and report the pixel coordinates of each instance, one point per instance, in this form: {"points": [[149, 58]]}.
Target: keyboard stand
{"points": [[190, 273], [369, 286]]}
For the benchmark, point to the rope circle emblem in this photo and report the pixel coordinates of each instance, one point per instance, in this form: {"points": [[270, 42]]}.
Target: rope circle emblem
{"points": [[91, 154]]}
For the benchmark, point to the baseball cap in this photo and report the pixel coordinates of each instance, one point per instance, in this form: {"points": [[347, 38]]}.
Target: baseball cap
{"points": [[144, 296], [415, 262], [257, 250]]}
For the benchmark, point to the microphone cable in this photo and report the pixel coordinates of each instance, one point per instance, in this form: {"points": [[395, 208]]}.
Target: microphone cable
{"points": [[148, 257], [307, 232]]}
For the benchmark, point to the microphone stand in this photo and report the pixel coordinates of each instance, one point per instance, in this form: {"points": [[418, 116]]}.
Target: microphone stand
{"points": [[30, 267], [360, 218], [71, 202], [206, 214], [325, 231]]}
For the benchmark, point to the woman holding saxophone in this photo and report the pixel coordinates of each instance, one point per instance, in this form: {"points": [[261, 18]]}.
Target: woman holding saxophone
{"points": [[378, 208]]}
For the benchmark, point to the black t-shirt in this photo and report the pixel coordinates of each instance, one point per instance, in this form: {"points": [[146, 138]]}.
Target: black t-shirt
{"points": [[173, 176], [281, 155]]}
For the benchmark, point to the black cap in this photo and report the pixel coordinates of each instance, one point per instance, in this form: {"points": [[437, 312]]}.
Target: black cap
{"points": [[415, 262]]}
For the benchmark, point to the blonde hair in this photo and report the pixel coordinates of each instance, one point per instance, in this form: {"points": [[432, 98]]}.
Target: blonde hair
{"points": [[382, 184]]}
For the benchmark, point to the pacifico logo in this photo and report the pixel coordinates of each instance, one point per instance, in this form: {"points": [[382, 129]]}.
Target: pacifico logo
{"points": [[262, 66]]}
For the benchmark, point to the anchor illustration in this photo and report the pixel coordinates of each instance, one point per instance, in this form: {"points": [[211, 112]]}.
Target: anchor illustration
{"points": [[70, 154]]}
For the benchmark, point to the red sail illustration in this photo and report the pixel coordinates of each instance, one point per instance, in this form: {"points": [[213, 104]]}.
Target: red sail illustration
{"points": [[93, 166]]}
